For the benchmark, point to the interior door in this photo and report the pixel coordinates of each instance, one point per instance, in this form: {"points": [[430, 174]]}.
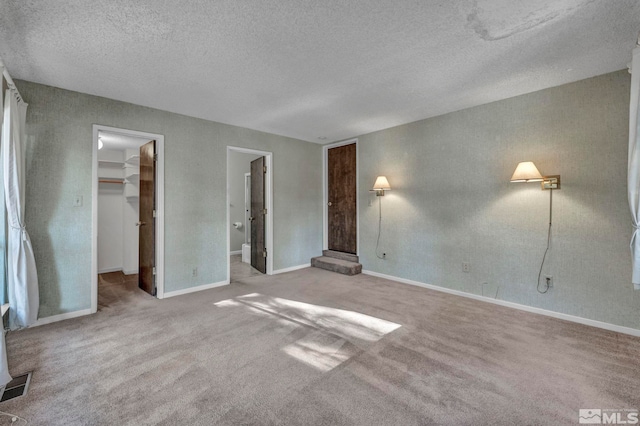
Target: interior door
{"points": [[258, 212], [247, 207], [147, 222], [341, 191]]}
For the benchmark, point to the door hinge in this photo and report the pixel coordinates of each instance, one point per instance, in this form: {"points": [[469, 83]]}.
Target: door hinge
{"points": [[155, 292], [264, 211], [155, 157], [264, 253], [154, 213], [153, 271], [264, 169]]}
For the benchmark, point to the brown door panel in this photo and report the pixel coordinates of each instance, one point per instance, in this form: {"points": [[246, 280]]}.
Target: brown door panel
{"points": [[147, 223], [258, 247], [342, 214]]}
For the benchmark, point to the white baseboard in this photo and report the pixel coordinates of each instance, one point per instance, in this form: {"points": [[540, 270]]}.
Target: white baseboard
{"points": [[131, 272], [566, 317], [194, 289], [107, 270], [231, 253], [61, 317], [291, 268]]}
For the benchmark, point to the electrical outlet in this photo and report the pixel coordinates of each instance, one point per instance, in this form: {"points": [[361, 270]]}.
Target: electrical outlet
{"points": [[548, 279], [466, 266], [194, 272]]}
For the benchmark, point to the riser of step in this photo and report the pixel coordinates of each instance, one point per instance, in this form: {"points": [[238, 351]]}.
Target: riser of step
{"points": [[340, 266], [341, 255]]}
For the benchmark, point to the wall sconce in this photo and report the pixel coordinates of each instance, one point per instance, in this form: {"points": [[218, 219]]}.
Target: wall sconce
{"points": [[381, 185], [526, 171]]}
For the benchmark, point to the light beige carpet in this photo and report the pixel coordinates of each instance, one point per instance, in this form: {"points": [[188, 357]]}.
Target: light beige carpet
{"points": [[241, 270], [317, 348]]}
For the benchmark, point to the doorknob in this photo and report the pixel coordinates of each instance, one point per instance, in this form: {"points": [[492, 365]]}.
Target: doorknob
{"points": [[141, 223], [330, 203]]}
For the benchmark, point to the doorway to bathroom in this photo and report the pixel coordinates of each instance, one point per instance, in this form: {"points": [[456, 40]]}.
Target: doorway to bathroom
{"points": [[249, 218]]}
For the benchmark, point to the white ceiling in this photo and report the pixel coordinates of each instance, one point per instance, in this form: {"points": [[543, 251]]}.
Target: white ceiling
{"points": [[310, 69]]}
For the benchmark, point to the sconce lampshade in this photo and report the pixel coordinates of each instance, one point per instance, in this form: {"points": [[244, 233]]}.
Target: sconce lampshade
{"points": [[381, 184], [526, 172]]}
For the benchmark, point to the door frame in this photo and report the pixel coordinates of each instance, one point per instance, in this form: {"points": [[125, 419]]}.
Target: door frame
{"points": [[247, 214], [268, 157], [159, 209], [325, 192]]}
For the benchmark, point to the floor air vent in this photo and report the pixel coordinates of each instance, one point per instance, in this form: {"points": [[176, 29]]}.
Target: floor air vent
{"points": [[16, 387]]}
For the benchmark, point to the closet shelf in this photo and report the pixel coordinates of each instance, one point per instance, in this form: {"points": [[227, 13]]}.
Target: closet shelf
{"points": [[134, 160], [133, 177], [110, 163], [117, 181]]}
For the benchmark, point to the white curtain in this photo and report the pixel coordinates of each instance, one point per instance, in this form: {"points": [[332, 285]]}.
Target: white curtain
{"points": [[22, 278], [5, 377], [633, 174]]}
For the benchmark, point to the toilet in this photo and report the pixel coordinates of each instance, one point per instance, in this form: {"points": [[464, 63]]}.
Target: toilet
{"points": [[246, 253]]}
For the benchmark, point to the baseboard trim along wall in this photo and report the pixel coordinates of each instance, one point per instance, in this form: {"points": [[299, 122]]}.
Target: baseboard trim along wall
{"points": [[291, 268], [81, 313], [194, 289], [61, 317], [231, 253], [566, 317], [131, 272]]}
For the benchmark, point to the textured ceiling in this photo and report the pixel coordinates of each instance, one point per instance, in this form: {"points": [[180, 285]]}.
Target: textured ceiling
{"points": [[311, 69]]}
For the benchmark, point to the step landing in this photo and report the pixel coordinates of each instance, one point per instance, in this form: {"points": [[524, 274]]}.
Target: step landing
{"points": [[340, 255], [340, 266]]}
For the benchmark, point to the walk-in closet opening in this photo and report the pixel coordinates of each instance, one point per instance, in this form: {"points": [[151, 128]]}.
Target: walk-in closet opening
{"points": [[126, 209]]}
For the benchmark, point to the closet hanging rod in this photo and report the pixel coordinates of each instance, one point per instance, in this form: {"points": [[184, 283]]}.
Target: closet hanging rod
{"points": [[120, 182]]}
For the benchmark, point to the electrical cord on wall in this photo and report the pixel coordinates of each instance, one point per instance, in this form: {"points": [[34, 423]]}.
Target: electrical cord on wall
{"points": [[379, 228], [546, 289]]}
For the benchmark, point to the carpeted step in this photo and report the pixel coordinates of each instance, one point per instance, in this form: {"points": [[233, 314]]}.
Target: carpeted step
{"points": [[340, 266], [340, 255]]}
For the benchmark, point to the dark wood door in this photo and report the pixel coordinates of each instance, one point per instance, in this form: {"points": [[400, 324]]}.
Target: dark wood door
{"points": [[342, 215], [147, 223], [258, 212]]}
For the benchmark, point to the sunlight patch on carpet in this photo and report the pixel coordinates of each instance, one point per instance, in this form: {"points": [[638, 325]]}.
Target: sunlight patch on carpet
{"points": [[324, 348]]}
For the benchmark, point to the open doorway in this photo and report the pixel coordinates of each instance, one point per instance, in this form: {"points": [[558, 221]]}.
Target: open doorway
{"points": [[249, 218], [127, 207]]}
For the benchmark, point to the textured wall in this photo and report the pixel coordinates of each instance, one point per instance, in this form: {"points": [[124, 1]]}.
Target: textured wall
{"points": [[239, 164], [452, 200], [59, 138]]}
